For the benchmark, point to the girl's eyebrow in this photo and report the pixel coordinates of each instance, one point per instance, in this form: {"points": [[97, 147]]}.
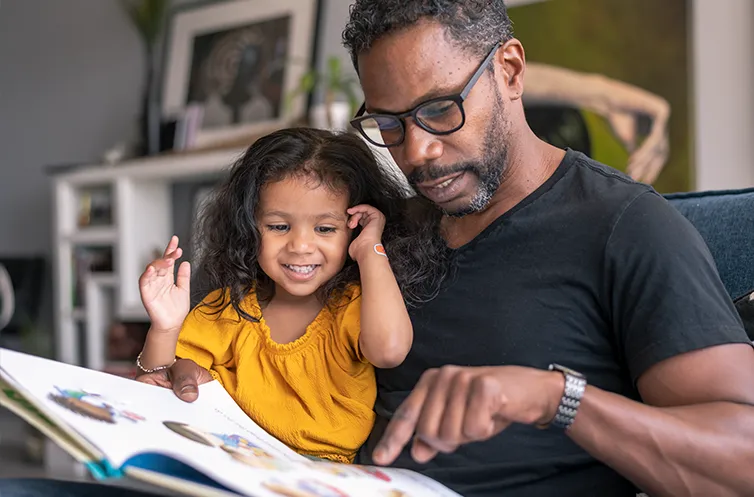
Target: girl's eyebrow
{"points": [[274, 213], [337, 216]]}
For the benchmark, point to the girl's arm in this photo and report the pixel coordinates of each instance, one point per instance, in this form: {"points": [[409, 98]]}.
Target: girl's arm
{"points": [[166, 300], [386, 332], [158, 351]]}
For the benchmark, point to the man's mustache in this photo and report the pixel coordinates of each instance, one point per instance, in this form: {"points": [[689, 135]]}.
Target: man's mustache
{"points": [[429, 173]]}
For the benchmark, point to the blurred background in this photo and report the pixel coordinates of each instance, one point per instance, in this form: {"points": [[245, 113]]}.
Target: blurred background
{"points": [[118, 117]]}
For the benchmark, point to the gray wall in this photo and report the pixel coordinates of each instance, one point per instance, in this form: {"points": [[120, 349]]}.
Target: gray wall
{"points": [[69, 88], [723, 61]]}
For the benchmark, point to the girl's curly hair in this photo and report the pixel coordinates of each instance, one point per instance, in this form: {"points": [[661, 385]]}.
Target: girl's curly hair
{"points": [[229, 238]]}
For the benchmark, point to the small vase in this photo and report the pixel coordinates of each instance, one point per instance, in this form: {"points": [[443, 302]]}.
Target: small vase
{"points": [[149, 120], [337, 120]]}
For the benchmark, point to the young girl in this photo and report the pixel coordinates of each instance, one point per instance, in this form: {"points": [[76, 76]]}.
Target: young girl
{"points": [[312, 261]]}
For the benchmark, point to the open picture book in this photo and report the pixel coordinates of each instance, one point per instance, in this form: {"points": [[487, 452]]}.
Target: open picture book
{"points": [[121, 428]]}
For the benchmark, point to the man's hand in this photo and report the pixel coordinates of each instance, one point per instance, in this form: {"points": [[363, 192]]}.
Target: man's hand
{"points": [[454, 405], [183, 378]]}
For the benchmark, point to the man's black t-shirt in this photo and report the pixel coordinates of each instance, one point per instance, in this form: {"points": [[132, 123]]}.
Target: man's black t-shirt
{"points": [[593, 271]]}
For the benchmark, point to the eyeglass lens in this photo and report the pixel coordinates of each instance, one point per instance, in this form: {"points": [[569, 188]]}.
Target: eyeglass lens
{"points": [[438, 116]]}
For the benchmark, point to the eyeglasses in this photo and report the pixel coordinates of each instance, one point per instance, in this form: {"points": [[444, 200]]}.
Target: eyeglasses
{"points": [[439, 116]]}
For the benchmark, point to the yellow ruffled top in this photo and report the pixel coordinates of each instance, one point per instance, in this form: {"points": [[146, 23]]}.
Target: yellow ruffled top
{"points": [[315, 394]]}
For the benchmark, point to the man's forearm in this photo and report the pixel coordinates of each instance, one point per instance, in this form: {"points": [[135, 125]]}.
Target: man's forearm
{"points": [[704, 449]]}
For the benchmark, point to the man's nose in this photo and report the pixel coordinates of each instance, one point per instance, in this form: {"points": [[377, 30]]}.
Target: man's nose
{"points": [[420, 147]]}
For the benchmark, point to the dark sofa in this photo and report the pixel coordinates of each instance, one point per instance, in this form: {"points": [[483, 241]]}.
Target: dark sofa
{"points": [[725, 219]]}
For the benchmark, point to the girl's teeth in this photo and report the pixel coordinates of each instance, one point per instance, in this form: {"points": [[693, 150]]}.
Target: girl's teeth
{"points": [[301, 269]]}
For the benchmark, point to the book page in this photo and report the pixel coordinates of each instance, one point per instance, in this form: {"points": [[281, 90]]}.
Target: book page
{"points": [[125, 418], [122, 417], [18, 404]]}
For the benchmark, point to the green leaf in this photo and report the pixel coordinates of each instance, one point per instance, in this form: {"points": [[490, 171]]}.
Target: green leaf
{"points": [[306, 84], [333, 65], [147, 16], [353, 101], [309, 81], [334, 83]]}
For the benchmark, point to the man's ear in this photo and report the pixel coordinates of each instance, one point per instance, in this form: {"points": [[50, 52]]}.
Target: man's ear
{"points": [[511, 62]]}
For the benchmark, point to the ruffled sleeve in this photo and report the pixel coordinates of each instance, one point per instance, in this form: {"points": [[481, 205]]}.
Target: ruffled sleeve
{"points": [[207, 338], [347, 314]]}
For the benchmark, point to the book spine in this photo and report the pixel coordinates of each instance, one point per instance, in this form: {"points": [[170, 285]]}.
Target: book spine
{"points": [[103, 470]]}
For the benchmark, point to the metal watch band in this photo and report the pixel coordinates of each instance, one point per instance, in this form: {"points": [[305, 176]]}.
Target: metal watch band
{"points": [[575, 385]]}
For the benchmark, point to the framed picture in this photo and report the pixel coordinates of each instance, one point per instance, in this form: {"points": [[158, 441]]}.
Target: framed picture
{"points": [[237, 60]]}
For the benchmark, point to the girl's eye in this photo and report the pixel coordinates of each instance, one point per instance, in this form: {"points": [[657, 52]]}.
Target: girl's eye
{"points": [[325, 229], [279, 228]]}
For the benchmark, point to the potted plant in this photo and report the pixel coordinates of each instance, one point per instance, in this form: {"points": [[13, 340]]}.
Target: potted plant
{"points": [[148, 18], [339, 93]]}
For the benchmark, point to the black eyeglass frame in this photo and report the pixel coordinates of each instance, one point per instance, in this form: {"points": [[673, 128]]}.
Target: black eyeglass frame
{"points": [[458, 98]]}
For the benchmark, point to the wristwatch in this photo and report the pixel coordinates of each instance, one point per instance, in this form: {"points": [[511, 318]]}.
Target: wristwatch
{"points": [[575, 385]]}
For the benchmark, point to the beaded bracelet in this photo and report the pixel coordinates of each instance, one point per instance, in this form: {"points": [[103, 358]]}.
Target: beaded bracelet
{"points": [[153, 370]]}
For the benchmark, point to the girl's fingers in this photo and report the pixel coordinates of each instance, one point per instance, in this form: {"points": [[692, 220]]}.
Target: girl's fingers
{"points": [[172, 245], [369, 216], [360, 208], [175, 254], [183, 279], [355, 219], [366, 218], [163, 263], [146, 277], [364, 214], [168, 261], [161, 267], [353, 212]]}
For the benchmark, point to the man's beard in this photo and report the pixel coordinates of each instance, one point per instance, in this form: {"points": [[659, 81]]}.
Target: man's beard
{"points": [[488, 170]]}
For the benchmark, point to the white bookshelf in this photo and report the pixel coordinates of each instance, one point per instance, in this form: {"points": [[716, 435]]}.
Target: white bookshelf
{"points": [[140, 223]]}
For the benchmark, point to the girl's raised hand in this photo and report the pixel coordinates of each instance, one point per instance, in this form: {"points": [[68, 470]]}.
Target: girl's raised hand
{"points": [[166, 299], [372, 222]]}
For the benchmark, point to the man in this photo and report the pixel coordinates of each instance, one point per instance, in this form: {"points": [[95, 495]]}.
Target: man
{"points": [[557, 260]]}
